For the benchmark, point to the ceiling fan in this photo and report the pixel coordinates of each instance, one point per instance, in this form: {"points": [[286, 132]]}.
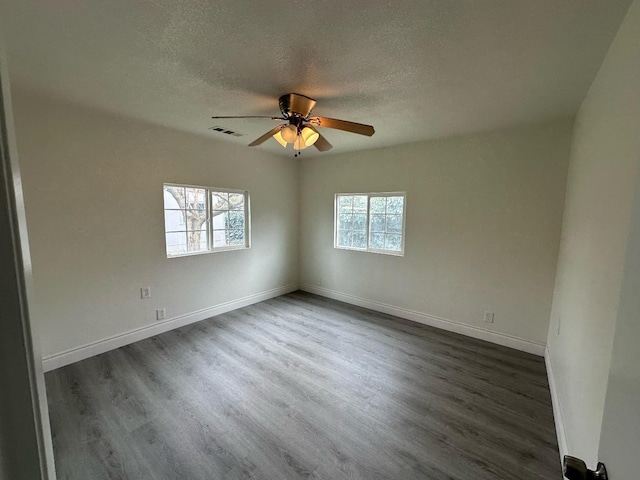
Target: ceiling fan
{"points": [[300, 127]]}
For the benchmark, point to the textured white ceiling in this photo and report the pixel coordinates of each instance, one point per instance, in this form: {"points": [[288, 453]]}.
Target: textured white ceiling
{"points": [[415, 69]]}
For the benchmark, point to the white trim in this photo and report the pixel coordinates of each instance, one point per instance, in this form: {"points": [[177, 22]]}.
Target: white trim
{"points": [[563, 447], [22, 344], [431, 320], [73, 355]]}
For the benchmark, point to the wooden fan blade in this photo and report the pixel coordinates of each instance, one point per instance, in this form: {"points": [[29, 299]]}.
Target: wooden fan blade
{"points": [[352, 127], [322, 144], [266, 136], [255, 116]]}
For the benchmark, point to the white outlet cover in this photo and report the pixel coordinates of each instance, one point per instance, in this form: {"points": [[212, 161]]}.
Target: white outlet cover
{"points": [[488, 317], [145, 292], [161, 314]]}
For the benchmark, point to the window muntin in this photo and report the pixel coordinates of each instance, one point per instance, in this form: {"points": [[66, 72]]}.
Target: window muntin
{"points": [[371, 222], [204, 219]]}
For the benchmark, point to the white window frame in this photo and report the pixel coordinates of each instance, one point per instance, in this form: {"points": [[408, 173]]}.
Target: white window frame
{"points": [[208, 205], [370, 195]]}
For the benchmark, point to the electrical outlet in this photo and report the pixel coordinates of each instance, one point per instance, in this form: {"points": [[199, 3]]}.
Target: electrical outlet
{"points": [[145, 292], [161, 314], [488, 317]]}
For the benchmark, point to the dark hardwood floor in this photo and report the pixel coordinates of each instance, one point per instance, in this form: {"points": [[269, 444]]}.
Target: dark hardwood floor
{"points": [[303, 387]]}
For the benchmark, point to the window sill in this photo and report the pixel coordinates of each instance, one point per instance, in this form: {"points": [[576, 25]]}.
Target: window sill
{"points": [[206, 252], [365, 250]]}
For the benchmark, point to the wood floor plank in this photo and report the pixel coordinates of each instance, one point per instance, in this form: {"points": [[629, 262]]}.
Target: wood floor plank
{"points": [[303, 387]]}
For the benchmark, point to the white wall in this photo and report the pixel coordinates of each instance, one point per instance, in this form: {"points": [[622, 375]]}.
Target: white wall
{"points": [[620, 434], [93, 196], [602, 176], [482, 230]]}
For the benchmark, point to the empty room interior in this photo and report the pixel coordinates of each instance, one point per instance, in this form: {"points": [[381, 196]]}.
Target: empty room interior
{"points": [[321, 240]]}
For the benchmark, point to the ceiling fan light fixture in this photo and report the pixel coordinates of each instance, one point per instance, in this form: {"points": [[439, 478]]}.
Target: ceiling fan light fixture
{"points": [[289, 133], [299, 128], [279, 139], [309, 135]]}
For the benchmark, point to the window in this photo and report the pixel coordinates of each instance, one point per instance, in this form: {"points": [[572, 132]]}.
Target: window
{"points": [[202, 219], [370, 222]]}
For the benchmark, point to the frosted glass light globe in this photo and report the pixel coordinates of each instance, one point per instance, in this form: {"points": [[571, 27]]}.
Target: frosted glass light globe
{"points": [[299, 143], [289, 133], [309, 135], [279, 139]]}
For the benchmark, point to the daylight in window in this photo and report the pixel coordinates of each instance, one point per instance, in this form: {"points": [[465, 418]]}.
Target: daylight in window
{"points": [[372, 222], [202, 219]]}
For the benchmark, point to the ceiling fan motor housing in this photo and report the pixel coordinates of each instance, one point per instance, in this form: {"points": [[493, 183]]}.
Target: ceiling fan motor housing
{"points": [[296, 105]]}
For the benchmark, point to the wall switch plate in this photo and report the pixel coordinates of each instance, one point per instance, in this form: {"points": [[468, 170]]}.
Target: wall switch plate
{"points": [[161, 314], [488, 317], [145, 292]]}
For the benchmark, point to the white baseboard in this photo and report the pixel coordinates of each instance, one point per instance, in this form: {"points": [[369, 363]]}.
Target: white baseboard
{"points": [[431, 320], [101, 346], [557, 409]]}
